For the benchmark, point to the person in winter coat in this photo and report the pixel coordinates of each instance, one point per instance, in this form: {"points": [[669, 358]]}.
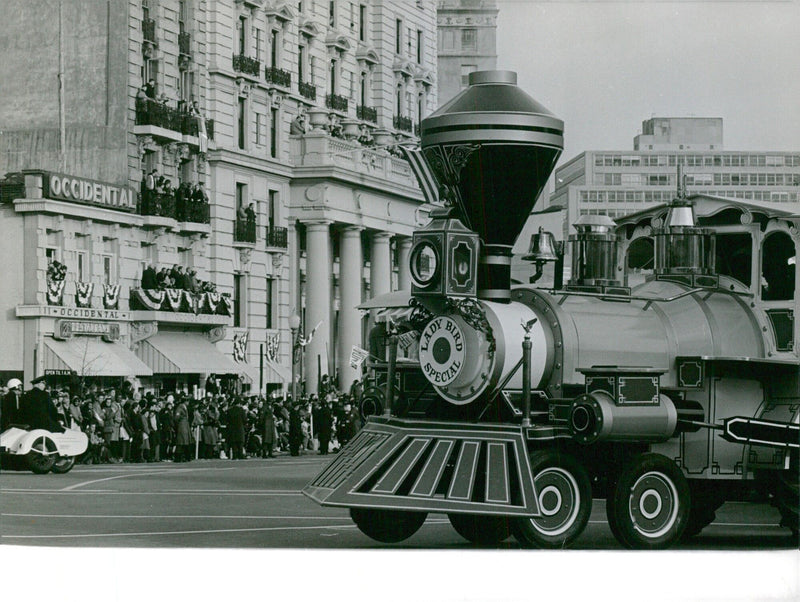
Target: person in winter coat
{"points": [[295, 431], [236, 430], [210, 436], [269, 431], [324, 427], [183, 432]]}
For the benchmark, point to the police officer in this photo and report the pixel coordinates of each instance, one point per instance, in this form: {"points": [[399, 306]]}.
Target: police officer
{"points": [[37, 410]]}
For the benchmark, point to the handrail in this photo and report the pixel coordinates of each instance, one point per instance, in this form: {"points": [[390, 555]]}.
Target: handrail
{"points": [[564, 294]]}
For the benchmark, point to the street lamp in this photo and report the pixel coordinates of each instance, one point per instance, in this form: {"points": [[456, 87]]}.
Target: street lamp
{"points": [[294, 326]]}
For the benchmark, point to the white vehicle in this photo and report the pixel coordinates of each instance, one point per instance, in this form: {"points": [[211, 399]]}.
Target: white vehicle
{"points": [[42, 450]]}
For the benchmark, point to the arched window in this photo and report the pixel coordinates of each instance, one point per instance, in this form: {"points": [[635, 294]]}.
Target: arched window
{"points": [[778, 256], [640, 260]]}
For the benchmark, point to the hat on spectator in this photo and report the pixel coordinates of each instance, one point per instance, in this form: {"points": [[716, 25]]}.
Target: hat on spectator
{"points": [[14, 382], [38, 379]]}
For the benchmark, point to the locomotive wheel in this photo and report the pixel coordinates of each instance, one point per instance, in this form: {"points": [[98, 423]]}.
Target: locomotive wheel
{"points": [[63, 464], [650, 504], [705, 503], [387, 526], [565, 501], [481, 529], [40, 459]]}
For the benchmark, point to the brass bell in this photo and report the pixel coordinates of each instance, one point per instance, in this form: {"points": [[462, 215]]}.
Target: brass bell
{"points": [[542, 248]]}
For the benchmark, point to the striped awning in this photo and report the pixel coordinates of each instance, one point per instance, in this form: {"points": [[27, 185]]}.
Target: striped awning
{"points": [[394, 315], [91, 356], [273, 373], [184, 353]]}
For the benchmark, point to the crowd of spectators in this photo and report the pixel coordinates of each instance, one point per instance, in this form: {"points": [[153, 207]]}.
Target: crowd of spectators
{"points": [[124, 426], [175, 278]]}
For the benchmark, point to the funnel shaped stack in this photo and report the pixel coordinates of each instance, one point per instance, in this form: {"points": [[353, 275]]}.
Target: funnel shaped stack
{"points": [[492, 149]]}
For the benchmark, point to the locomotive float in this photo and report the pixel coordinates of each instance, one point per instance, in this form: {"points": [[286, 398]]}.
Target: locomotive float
{"points": [[666, 397]]}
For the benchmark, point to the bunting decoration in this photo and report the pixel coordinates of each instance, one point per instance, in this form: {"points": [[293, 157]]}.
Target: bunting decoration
{"points": [[240, 347], [273, 344], [55, 292], [211, 301], [83, 294], [111, 296], [174, 298], [150, 298], [227, 305]]}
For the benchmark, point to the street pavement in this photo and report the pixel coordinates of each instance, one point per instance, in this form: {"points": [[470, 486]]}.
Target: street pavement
{"points": [[257, 503]]}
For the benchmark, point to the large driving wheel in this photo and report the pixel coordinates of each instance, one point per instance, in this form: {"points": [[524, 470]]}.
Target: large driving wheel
{"points": [[387, 526], [63, 464], [481, 529], [565, 501], [650, 504], [42, 455]]}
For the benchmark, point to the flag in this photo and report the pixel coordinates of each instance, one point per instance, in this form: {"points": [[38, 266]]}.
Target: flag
{"points": [[202, 134], [240, 347], [357, 357], [427, 181], [273, 343], [303, 341]]}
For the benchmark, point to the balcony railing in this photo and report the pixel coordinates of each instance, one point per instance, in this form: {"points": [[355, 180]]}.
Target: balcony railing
{"points": [[403, 123], [176, 205], [277, 237], [149, 30], [153, 112], [277, 76], [307, 90], [245, 64], [367, 113], [336, 102], [185, 43], [245, 231]]}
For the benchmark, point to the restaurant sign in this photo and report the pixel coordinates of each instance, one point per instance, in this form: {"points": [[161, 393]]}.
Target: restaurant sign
{"points": [[82, 190], [66, 329]]}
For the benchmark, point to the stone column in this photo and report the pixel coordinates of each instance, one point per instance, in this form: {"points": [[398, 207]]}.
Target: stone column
{"points": [[318, 301], [403, 270], [380, 273], [351, 261]]}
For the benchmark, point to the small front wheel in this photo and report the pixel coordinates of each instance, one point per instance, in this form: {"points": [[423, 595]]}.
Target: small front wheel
{"points": [[42, 456], [649, 506], [63, 464], [387, 526], [564, 493], [481, 529]]}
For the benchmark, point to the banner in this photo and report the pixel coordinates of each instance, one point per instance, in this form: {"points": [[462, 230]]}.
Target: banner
{"points": [[273, 344], [240, 347], [357, 357]]}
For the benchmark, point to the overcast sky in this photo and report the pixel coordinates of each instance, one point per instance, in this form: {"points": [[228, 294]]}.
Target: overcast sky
{"points": [[604, 67]]}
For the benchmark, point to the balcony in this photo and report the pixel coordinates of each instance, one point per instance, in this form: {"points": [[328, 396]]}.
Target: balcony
{"points": [[336, 102], [307, 90], [279, 77], [149, 30], [167, 124], [403, 124], [245, 64], [185, 43], [367, 113], [277, 237], [175, 205], [198, 307], [245, 231]]}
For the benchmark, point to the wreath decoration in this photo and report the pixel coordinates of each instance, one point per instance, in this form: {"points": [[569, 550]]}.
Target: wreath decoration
{"points": [[111, 296], [83, 294], [56, 271]]}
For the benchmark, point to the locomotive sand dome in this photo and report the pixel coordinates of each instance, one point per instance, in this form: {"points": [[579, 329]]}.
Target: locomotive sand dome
{"points": [[493, 127]]}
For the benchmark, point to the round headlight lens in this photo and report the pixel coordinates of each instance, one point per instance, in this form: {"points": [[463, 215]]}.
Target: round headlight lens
{"points": [[424, 264]]}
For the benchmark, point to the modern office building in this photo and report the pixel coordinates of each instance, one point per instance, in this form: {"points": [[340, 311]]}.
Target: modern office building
{"points": [[307, 219], [467, 42]]}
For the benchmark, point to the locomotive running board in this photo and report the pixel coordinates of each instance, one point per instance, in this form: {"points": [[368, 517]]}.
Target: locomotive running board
{"points": [[401, 464]]}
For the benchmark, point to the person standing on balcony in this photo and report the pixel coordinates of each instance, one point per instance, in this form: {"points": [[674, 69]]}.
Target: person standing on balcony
{"points": [[150, 89], [149, 277], [298, 125]]}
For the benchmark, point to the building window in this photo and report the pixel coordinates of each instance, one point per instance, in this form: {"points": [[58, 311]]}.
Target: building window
{"points": [[332, 13], [259, 44], [362, 95], [260, 130], [241, 195], [273, 132], [272, 210], [149, 70], [333, 78], [420, 46], [448, 39], [241, 123], [239, 301], [242, 35], [183, 16], [109, 269], [275, 46], [469, 39], [269, 309], [185, 85], [81, 266], [145, 10], [398, 33], [362, 22], [301, 63], [52, 254]]}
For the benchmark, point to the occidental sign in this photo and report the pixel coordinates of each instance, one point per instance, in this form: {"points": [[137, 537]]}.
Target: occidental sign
{"points": [[80, 190]]}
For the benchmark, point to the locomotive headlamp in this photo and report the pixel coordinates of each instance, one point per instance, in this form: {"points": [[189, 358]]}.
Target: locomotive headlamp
{"points": [[424, 261], [444, 258]]}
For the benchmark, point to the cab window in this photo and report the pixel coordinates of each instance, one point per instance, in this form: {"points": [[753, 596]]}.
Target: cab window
{"points": [[778, 258], [734, 256]]}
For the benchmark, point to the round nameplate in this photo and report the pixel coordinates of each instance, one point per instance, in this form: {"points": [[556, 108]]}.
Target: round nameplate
{"points": [[442, 350]]}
